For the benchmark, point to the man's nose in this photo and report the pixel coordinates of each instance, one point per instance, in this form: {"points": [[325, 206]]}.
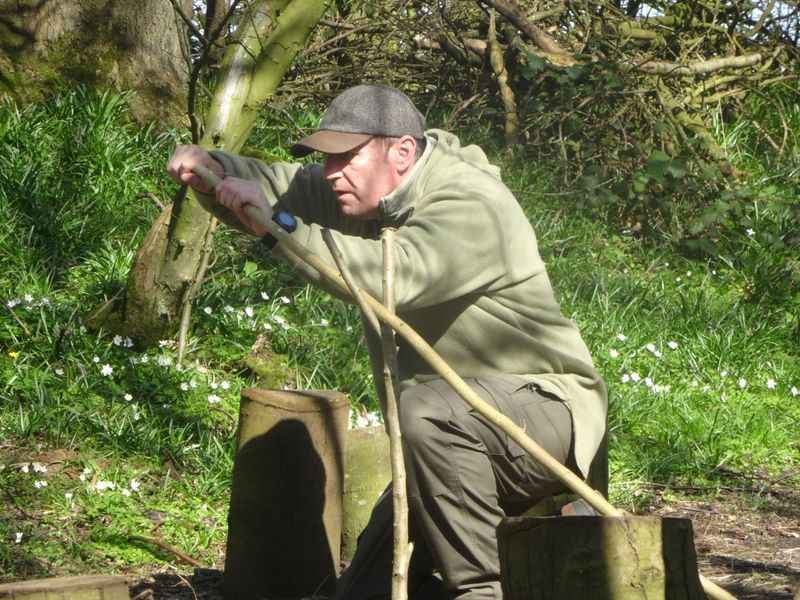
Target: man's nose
{"points": [[333, 167]]}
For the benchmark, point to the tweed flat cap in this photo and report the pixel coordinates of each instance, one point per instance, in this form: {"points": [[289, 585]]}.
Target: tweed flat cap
{"points": [[359, 113]]}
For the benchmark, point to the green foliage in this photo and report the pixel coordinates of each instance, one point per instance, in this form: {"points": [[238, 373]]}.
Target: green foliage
{"points": [[72, 169]]}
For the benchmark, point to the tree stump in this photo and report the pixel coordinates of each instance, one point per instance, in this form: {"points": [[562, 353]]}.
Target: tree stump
{"points": [[368, 470], [602, 558], [284, 522], [85, 587]]}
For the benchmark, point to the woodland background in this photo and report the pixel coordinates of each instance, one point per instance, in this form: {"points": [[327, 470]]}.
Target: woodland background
{"points": [[654, 147]]}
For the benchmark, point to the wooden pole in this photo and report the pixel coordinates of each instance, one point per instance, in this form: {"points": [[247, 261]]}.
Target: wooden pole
{"points": [[516, 433], [402, 548]]}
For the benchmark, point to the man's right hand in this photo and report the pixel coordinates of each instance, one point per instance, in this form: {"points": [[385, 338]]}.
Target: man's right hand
{"points": [[182, 162]]}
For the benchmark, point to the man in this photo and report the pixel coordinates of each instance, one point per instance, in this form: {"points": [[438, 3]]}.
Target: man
{"points": [[470, 280]]}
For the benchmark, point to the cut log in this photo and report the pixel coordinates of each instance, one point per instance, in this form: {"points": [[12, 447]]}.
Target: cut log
{"points": [[284, 522], [368, 471], [603, 558], [84, 587]]}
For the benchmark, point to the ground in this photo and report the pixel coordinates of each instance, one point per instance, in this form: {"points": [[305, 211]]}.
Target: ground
{"points": [[747, 543]]}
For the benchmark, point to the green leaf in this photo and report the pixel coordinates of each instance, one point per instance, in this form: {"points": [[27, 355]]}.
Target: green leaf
{"points": [[250, 268]]}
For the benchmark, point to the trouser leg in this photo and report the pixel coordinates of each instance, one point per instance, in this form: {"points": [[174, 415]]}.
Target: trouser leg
{"points": [[369, 576], [465, 474]]}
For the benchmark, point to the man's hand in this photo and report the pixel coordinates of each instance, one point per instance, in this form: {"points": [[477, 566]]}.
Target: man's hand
{"points": [[237, 194], [182, 162], [231, 192]]}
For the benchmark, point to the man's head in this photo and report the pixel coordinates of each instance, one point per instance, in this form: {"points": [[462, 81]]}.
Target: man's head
{"points": [[372, 136]]}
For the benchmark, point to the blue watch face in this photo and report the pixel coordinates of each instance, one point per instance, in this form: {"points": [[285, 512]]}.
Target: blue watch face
{"points": [[285, 220]]}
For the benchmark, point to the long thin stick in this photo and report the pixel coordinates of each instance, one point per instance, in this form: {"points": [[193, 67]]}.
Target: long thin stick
{"points": [[402, 548], [594, 498]]}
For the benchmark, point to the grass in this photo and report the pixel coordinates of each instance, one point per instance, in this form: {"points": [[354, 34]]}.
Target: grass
{"points": [[102, 444]]}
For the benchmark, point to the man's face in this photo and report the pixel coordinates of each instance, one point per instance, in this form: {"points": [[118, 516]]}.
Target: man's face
{"points": [[361, 177]]}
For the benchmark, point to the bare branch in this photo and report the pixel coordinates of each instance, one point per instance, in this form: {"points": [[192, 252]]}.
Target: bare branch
{"points": [[700, 67], [511, 11]]}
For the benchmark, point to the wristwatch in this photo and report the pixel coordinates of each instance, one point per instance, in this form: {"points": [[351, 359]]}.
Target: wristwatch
{"points": [[287, 222]]}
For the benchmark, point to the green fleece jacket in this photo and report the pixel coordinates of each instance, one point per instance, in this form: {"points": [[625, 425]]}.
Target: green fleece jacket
{"points": [[469, 278]]}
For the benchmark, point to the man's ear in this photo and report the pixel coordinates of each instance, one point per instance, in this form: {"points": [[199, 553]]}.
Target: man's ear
{"points": [[406, 148]]}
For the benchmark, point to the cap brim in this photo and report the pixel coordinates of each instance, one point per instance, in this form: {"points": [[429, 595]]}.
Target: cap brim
{"points": [[329, 142]]}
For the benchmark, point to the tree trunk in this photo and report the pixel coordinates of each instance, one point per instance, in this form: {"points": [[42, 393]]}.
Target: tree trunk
{"points": [[136, 46], [271, 35]]}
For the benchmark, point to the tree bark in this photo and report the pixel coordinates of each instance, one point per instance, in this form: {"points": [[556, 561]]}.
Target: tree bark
{"points": [[133, 46], [620, 558]]}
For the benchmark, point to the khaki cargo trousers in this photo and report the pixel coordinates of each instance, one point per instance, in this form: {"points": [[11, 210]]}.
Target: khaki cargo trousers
{"points": [[464, 475]]}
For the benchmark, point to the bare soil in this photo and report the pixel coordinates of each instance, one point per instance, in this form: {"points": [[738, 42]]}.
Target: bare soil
{"points": [[747, 544]]}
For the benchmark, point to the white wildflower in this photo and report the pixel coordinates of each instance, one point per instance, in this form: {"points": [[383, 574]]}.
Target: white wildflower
{"points": [[104, 485], [106, 370], [128, 397], [68, 495], [794, 391], [117, 341], [672, 345], [213, 399], [135, 485], [613, 352], [59, 371], [40, 483], [751, 232], [39, 468], [653, 350], [742, 384], [25, 468], [635, 377], [95, 359], [208, 310], [622, 337], [184, 387], [771, 384], [626, 378], [228, 309], [248, 310], [18, 537], [264, 296], [225, 385]]}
